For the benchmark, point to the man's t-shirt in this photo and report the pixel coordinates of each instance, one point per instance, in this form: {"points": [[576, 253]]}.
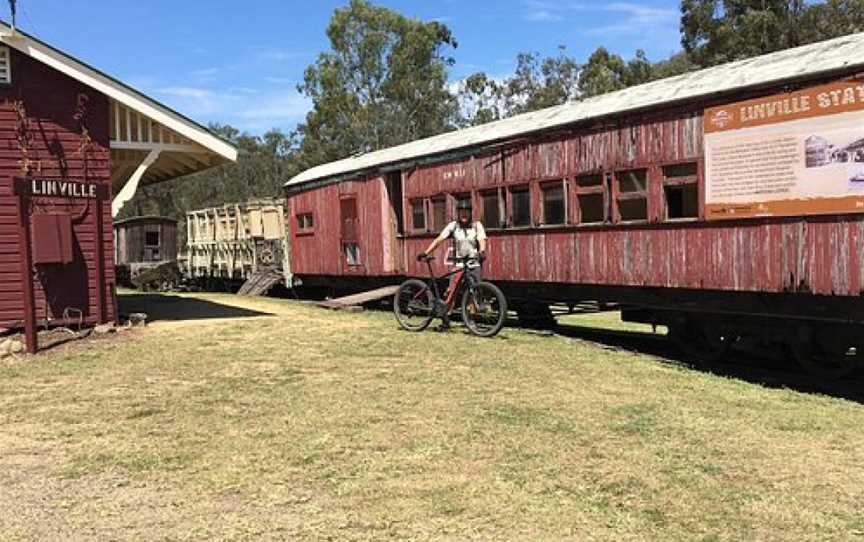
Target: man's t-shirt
{"points": [[466, 241]]}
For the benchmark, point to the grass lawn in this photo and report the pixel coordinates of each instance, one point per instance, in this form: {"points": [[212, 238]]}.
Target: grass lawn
{"points": [[234, 418]]}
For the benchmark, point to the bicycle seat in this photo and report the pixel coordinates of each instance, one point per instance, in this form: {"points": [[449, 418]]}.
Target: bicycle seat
{"points": [[426, 258]]}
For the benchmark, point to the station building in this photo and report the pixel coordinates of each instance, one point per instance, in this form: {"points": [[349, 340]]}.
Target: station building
{"points": [[75, 145]]}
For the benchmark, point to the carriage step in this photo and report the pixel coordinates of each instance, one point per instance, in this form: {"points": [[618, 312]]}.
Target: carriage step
{"points": [[352, 302]]}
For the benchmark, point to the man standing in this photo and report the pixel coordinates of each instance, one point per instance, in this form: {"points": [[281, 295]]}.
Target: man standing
{"points": [[469, 241]]}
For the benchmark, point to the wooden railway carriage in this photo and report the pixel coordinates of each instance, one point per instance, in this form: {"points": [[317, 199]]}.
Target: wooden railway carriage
{"points": [[689, 200]]}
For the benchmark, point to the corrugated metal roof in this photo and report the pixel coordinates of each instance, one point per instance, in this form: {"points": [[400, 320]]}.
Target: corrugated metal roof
{"points": [[806, 61]]}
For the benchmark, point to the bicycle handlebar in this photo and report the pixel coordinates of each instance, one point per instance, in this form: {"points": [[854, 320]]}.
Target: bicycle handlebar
{"points": [[464, 259]]}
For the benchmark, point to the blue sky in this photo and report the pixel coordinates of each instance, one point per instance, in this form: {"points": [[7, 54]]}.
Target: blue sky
{"points": [[239, 62]]}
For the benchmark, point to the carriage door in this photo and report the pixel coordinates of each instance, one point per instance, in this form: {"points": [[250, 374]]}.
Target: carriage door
{"points": [[350, 236]]}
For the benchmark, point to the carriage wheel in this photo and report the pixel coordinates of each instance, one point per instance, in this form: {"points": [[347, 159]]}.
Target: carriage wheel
{"points": [[825, 353], [702, 340]]}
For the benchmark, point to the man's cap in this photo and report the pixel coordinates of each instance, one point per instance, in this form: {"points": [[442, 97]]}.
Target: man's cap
{"points": [[463, 204]]}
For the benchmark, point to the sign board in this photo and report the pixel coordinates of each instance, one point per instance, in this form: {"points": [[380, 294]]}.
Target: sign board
{"points": [[59, 188], [800, 153]]}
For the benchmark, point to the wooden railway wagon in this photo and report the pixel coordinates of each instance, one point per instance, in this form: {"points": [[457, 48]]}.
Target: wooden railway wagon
{"points": [[236, 240], [75, 144], [689, 201], [144, 242]]}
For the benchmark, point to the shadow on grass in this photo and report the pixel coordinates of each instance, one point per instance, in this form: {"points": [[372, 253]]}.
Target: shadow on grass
{"points": [[770, 373], [175, 308]]}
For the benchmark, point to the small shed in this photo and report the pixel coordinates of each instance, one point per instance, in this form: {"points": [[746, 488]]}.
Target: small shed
{"points": [[144, 242]]}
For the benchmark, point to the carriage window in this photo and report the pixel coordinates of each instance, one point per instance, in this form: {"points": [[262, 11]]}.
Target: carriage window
{"points": [[418, 215], [632, 195], [492, 209], [520, 206], [352, 253], [585, 181], [554, 209], [633, 181], [633, 209], [590, 198], [591, 208], [305, 221], [681, 190], [151, 239], [439, 213]]}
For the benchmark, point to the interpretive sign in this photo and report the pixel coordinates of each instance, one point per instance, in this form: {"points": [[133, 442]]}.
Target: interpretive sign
{"points": [[799, 153]]}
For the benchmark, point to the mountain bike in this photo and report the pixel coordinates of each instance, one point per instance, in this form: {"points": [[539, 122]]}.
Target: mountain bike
{"points": [[418, 302]]}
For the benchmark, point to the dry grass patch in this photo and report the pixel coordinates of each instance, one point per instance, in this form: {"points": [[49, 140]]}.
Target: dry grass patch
{"points": [[315, 424]]}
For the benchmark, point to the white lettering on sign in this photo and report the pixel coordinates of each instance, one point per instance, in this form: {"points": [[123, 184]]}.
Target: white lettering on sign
{"points": [[454, 174], [62, 189]]}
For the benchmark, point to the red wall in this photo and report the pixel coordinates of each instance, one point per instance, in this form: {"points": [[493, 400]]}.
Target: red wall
{"points": [[319, 251], [818, 254], [54, 147]]}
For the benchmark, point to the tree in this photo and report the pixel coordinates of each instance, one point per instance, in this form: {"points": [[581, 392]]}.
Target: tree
{"points": [[718, 31], [832, 19], [384, 82], [536, 83], [607, 72]]}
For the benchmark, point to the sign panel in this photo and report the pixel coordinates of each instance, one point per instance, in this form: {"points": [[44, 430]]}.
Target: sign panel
{"points": [[800, 153], [59, 188]]}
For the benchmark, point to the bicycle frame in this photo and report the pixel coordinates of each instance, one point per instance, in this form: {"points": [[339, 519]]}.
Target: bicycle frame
{"points": [[455, 285]]}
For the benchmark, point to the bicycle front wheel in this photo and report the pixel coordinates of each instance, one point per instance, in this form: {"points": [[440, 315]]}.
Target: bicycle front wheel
{"points": [[413, 305], [484, 309]]}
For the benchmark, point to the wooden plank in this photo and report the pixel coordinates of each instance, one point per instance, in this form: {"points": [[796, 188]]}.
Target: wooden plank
{"points": [[359, 299]]}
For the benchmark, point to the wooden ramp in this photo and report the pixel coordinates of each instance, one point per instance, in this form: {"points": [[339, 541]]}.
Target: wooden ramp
{"points": [[259, 283], [353, 302]]}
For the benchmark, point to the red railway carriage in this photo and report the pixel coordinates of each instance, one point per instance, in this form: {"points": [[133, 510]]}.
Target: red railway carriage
{"points": [[725, 203], [74, 146]]}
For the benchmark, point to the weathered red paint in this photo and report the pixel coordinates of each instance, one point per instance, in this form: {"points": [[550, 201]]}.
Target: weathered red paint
{"points": [[320, 251], [819, 255], [55, 106]]}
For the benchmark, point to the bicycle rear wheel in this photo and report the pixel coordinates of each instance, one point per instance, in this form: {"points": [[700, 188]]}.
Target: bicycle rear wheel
{"points": [[413, 305], [484, 309]]}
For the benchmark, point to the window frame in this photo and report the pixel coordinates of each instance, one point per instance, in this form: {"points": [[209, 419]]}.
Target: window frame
{"points": [[430, 222], [500, 199], [601, 189], [544, 186], [524, 187], [302, 228], [682, 181], [158, 233], [619, 196], [422, 201]]}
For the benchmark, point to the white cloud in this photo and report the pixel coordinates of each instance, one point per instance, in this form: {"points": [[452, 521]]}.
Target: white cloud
{"points": [[649, 23], [236, 106], [549, 11], [275, 80], [544, 16], [205, 72], [278, 55]]}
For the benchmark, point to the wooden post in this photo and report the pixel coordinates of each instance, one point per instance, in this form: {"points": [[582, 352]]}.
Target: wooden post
{"points": [[26, 262], [100, 264]]}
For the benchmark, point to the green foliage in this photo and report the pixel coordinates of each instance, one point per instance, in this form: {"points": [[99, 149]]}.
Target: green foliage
{"points": [[718, 31], [384, 82], [537, 83], [164, 276]]}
